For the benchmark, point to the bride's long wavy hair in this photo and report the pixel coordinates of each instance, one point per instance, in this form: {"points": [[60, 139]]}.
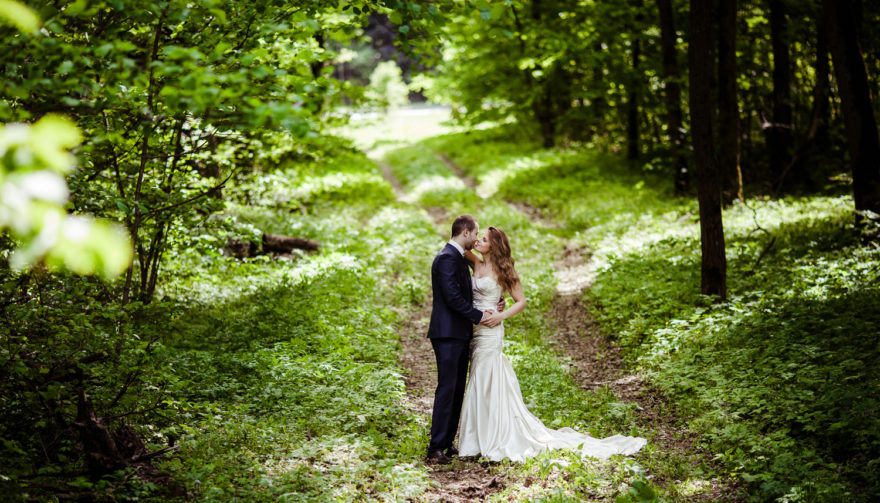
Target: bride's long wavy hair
{"points": [[499, 256]]}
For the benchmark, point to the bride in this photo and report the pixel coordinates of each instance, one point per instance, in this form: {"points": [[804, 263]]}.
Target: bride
{"points": [[495, 422]]}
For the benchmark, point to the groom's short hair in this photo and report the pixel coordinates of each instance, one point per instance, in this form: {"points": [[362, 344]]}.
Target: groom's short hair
{"points": [[463, 222]]}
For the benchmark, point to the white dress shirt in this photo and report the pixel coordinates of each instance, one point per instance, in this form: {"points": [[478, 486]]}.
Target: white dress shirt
{"points": [[457, 247]]}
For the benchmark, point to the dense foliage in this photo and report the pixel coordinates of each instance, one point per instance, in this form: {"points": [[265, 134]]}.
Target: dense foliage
{"points": [[593, 72]]}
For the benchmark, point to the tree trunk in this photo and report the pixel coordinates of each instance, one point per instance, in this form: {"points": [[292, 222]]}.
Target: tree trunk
{"points": [[543, 110], [728, 109], [779, 133], [818, 130], [673, 95], [855, 98], [542, 106], [145, 145], [632, 105], [286, 244], [599, 103], [714, 262], [317, 66]]}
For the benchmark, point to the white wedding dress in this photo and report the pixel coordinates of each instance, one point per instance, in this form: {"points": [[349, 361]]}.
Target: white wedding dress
{"points": [[495, 422]]}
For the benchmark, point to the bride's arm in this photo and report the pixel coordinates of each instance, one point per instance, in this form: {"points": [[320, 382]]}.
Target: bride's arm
{"points": [[472, 258], [519, 302]]}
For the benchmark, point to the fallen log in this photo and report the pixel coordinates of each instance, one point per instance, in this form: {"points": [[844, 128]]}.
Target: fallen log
{"points": [[242, 249], [271, 243], [276, 243]]}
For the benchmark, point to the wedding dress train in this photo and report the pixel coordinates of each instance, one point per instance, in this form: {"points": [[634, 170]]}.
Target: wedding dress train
{"points": [[495, 422]]}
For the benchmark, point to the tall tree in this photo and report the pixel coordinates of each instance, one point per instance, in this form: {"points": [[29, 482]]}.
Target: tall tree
{"points": [[855, 98], [818, 129], [672, 94], [728, 108], [714, 261], [632, 105], [634, 82], [780, 131]]}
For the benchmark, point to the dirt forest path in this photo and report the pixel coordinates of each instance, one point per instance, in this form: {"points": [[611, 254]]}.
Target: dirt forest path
{"points": [[595, 362]]}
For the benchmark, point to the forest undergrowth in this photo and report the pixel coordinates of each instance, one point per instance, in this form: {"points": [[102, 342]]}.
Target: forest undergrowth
{"points": [[550, 391], [781, 382], [276, 378]]}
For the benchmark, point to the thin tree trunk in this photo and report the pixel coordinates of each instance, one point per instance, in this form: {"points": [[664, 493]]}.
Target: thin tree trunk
{"points": [[779, 134], [855, 98], [818, 130], [632, 105], [714, 262], [673, 95], [157, 259], [543, 110], [145, 144], [599, 103], [728, 109], [114, 158], [317, 66], [150, 266], [542, 105]]}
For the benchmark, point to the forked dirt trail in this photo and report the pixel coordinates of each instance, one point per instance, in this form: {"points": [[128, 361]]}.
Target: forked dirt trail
{"points": [[595, 362]]}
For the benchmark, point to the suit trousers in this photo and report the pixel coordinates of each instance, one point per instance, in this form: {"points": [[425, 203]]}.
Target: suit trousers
{"points": [[452, 366]]}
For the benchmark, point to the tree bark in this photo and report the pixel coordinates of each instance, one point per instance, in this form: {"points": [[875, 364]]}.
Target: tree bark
{"points": [[542, 105], [672, 95], [818, 129], [779, 133], [632, 105], [145, 145], [714, 262], [285, 244], [855, 98], [544, 114], [728, 108]]}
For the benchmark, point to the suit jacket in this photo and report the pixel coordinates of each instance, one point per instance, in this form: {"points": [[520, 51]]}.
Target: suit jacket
{"points": [[454, 314]]}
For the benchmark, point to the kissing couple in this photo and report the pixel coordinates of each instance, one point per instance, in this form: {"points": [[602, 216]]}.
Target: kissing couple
{"points": [[486, 406]]}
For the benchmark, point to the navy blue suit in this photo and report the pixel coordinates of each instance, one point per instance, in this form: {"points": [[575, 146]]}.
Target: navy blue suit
{"points": [[452, 326]]}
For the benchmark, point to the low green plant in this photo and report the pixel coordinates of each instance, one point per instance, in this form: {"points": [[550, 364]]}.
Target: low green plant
{"points": [[778, 381]]}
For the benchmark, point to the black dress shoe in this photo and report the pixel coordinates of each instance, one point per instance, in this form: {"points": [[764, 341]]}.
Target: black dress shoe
{"points": [[451, 451], [437, 456]]}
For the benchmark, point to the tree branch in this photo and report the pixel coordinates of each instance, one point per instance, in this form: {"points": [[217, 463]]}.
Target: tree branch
{"points": [[191, 199]]}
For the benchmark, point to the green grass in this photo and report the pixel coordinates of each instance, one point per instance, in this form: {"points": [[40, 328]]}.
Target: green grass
{"points": [[780, 382], [286, 373], [547, 386], [280, 379]]}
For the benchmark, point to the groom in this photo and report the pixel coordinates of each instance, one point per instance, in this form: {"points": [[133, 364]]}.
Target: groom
{"points": [[452, 326]]}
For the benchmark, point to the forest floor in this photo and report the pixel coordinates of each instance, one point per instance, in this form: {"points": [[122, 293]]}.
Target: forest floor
{"points": [[594, 361]]}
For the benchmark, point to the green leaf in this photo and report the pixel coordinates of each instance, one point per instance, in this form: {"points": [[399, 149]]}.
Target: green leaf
{"points": [[52, 135], [219, 14], [19, 15], [103, 49], [65, 67]]}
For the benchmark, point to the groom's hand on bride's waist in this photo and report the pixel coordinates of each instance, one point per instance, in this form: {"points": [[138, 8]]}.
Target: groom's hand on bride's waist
{"points": [[491, 318]]}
